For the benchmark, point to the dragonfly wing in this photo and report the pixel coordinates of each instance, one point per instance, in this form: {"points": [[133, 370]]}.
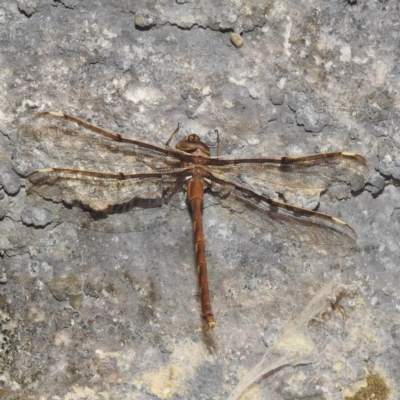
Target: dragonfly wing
{"points": [[316, 171], [105, 192], [76, 147], [298, 225]]}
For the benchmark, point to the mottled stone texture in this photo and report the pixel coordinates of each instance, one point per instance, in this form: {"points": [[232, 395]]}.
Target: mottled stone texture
{"points": [[115, 315]]}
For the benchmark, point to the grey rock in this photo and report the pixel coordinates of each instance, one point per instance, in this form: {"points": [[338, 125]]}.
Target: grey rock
{"points": [[357, 184], [312, 120], [28, 7], [388, 155], [69, 3], [296, 100], [395, 331], [3, 210], [377, 182], [374, 112], [69, 288], [277, 96], [377, 105], [3, 278], [290, 120], [9, 179], [38, 217], [144, 20]]}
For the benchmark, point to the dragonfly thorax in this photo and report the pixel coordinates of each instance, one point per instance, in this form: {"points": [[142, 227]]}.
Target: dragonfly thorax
{"points": [[193, 145]]}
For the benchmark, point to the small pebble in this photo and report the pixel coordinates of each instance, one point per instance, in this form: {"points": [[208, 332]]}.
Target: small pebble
{"points": [[237, 40]]}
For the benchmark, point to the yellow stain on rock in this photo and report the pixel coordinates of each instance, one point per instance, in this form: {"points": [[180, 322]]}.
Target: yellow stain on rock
{"points": [[165, 382], [337, 367], [376, 389], [175, 376]]}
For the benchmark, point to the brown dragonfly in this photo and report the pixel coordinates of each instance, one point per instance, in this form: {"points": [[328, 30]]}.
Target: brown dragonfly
{"points": [[156, 173]]}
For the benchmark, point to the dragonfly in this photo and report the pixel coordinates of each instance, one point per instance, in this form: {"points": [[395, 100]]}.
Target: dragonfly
{"points": [[155, 173]]}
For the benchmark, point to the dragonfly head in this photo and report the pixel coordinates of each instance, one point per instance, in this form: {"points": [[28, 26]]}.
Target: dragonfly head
{"points": [[193, 145]]}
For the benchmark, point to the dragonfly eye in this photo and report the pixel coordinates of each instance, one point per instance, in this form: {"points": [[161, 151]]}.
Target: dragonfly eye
{"points": [[193, 138]]}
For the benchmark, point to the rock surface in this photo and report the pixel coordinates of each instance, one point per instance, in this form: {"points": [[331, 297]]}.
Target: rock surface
{"points": [[89, 314]]}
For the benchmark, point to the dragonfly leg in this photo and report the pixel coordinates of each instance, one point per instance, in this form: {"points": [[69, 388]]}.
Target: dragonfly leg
{"points": [[172, 135]]}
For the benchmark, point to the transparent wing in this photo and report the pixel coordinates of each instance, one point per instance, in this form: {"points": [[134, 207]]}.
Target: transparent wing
{"points": [[300, 226], [84, 146], [105, 192], [316, 171]]}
